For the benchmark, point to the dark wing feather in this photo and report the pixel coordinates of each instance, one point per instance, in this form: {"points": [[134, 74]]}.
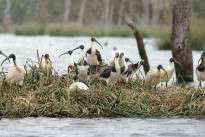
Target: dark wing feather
{"points": [[200, 68], [122, 69], [89, 51], [106, 72], [98, 56]]}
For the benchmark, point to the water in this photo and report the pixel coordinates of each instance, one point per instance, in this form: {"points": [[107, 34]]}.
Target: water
{"points": [[25, 47], [122, 127]]}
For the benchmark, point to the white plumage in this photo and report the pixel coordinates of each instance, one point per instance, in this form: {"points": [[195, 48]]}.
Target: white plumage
{"points": [[78, 86], [200, 75], [46, 64], [15, 74], [153, 77], [93, 56], [166, 76], [82, 72]]}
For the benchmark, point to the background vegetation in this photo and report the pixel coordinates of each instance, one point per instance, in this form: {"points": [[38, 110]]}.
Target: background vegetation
{"points": [[97, 18]]}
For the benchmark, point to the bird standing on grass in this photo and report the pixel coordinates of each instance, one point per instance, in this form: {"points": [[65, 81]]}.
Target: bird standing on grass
{"points": [[130, 74], [93, 56], [71, 65], [112, 73], [83, 72], [170, 71], [200, 70], [46, 65], [16, 74], [153, 77]]}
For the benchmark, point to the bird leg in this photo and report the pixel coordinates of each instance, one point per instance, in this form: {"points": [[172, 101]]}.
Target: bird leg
{"points": [[200, 85], [166, 83], [155, 87]]}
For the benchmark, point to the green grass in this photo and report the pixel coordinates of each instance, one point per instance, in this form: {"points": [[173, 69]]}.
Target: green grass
{"points": [[41, 97], [58, 29], [29, 29], [163, 33]]}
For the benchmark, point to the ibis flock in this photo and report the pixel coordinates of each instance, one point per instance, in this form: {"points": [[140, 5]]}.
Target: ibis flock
{"points": [[90, 62]]}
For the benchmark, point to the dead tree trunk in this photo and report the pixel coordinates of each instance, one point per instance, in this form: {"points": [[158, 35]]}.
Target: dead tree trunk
{"points": [[180, 40], [140, 45]]}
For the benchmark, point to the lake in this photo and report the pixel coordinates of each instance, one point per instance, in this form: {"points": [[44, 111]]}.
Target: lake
{"points": [[119, 127], [25, 47]]}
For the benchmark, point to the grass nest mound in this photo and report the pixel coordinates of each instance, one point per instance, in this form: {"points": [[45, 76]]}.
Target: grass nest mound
{"points": [[40, 96]]}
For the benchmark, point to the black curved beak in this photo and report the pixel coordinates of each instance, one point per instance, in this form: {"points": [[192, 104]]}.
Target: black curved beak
{"points": [[4, 54], [98, 43], [67, 52], [128, 60], [7, 58], [76, 48]]}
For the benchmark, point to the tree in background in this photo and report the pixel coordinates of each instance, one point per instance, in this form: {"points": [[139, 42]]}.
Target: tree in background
{"points": [[67, 10], [180, 41], [82, 11], [7, 16]]}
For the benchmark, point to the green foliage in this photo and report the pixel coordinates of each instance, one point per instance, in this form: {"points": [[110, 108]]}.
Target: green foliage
{"points": [[197, 39], [29, 29]]}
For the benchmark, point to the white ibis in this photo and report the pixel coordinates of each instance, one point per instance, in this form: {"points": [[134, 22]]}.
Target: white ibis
{"points": [[112, 73], [83, 72], [153, 77], [71, 65], [46, 64], [169, 70], [78, 86], [16, 74], [200, 70], [131, 71], [93, 56]]}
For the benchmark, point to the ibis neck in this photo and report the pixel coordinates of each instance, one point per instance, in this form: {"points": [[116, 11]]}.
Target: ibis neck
{"points": [[117, 65], [93, 48]]}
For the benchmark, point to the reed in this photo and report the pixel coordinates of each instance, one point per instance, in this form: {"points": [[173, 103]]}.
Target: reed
{"points": [[41, 97], [163, 32]]}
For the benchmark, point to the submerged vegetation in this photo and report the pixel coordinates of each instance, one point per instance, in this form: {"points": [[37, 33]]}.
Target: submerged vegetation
{"points": [[42, 97]]}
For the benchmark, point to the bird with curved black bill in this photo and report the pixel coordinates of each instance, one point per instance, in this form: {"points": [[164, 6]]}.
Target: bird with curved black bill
{"points": [[112, 73], [132, 68], [93, 56], [170, 70], [200, 69], [46, 65], [153, 76], [72, 67], [16, 74]]}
